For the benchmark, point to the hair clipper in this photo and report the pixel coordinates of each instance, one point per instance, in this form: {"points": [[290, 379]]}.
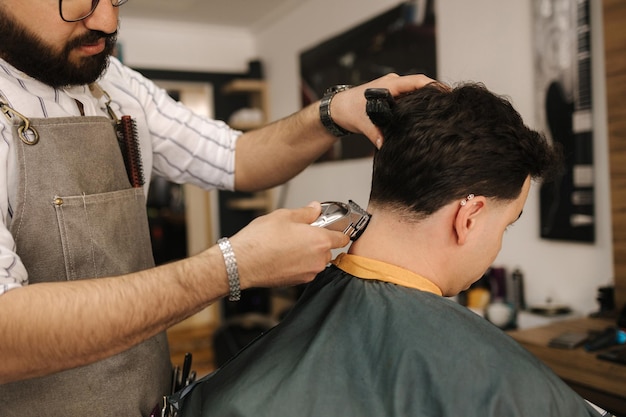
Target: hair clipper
{"points": [[347, 218]]}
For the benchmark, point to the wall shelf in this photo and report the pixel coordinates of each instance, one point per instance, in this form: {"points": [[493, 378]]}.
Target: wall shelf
{"points": [[256, 90]]}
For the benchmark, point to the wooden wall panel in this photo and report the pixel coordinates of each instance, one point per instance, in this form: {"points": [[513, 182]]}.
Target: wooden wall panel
{"points": [[614, 15]]}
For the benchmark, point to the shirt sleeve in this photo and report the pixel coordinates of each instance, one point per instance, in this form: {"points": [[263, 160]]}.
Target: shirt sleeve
{"points": [[12, 271], [183, 147]]}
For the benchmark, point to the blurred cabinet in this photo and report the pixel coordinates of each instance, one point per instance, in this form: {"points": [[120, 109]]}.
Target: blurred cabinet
{"points": [[237, 209], [254, 115]]}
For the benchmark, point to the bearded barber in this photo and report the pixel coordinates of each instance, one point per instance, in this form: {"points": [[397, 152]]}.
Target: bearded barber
{"points": [[83, 308]]}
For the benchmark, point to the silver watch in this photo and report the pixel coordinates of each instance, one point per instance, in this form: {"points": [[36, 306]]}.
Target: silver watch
{"points": [[325, 115]]}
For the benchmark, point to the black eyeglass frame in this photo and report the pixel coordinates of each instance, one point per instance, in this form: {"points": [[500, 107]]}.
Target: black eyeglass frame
{"points": [[94, 4]]}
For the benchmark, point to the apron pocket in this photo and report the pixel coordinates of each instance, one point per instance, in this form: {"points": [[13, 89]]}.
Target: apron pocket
{"points": [[104, 234]]}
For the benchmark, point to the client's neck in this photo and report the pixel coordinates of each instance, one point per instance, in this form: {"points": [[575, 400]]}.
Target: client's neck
{"points": [[407, 245]]}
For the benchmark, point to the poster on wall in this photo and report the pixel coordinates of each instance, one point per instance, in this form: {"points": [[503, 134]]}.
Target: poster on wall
{"points": [[401, 40], [562, 58]]}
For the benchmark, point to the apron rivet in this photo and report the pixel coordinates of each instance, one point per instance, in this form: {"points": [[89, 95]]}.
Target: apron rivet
{"points": [[58, 201]]}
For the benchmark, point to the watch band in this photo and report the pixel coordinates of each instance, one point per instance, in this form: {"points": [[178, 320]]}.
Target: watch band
{"points": [[231, 269], [325, 115]]}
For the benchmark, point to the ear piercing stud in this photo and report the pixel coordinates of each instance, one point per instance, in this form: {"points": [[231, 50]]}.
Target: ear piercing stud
{"points": [[466, 199]]}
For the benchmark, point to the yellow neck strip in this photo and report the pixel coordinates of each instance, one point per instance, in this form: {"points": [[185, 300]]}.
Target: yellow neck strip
{"points": [[366, 268]]}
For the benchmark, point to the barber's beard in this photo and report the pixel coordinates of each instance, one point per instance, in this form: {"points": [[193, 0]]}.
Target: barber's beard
{"points": [[31, 55]]}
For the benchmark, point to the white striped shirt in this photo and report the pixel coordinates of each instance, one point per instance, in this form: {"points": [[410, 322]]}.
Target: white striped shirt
{"points": [[175, 143]]}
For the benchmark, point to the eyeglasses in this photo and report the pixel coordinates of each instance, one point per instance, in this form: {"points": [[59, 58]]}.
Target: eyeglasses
{"points": [[77, 10]]}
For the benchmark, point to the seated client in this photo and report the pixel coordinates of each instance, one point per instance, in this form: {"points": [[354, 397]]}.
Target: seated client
{"points": [[374, 334]]}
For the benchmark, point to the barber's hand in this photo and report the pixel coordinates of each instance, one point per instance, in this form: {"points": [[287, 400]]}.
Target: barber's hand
{"points": [[348, 107], [283, 249]]}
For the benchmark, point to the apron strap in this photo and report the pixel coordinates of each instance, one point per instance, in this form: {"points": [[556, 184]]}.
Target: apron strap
{"points": [[98, 92]]}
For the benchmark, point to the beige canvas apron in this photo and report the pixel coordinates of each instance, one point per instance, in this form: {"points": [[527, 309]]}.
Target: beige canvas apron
{"points": [[77, 217]]}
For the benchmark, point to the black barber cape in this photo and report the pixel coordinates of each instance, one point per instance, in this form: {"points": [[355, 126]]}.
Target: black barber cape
{"points": [[366, 348]]}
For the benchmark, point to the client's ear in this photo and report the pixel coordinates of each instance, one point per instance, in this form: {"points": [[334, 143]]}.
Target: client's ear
{"points": [[467, 216]]}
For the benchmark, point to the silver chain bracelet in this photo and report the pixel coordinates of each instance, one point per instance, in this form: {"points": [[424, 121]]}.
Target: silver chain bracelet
{"points": [[231, 269]]}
